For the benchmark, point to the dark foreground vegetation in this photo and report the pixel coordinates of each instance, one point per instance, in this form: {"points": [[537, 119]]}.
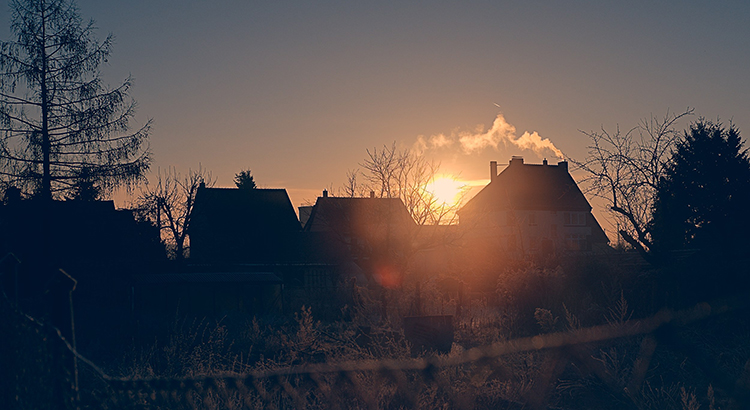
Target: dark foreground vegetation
{"points": [[570, 333]]}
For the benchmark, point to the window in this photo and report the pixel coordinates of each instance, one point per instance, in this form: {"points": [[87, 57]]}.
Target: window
{"points": [[575, 241], [574, 218]]}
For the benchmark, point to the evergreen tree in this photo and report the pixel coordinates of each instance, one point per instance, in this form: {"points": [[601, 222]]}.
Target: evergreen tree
{"points": [[701, 201], [244, 180], [62, 128]]}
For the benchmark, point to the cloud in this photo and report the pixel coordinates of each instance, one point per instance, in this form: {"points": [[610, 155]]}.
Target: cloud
{"points": [[501, 132]]}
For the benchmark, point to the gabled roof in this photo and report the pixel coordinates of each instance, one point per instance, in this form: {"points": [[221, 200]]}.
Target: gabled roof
{"points": [[233, 224], [352, 215], [259, 208], [530, 187]]}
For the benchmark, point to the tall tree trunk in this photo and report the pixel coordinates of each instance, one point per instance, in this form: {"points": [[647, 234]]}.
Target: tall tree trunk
{"points": [[46, 192]]}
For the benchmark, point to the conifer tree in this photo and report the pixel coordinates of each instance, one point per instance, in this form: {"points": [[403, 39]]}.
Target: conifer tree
{"points": [[701, 201], [62, 127], [244, 180]]}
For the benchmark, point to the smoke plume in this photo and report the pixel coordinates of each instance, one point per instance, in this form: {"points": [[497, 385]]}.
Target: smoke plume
{"points": [[500, 132]]}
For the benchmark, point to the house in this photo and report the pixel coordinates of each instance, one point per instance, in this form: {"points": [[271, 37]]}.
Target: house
{"points": [[365, 225], [94, 243], [531, 209], [377, 233], [231, 225], [250, 255]]}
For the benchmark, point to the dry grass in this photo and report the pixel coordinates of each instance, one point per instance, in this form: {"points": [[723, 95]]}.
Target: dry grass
{"points": [[528, 300]]}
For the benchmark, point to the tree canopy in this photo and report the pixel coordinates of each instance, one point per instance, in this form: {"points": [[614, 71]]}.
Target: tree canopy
{"points": [[64, 132], [244, 180], [701, 201]]}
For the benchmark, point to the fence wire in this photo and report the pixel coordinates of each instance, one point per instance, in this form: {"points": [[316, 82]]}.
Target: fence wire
{"points": [[40, 364]]}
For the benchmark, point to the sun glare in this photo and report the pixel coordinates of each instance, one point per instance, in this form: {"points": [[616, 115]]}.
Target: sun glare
{"points": [[447, 189]]}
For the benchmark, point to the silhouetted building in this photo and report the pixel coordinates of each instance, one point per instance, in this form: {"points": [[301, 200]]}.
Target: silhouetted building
{"points": [[99, 246], [363, 224], [250, 255], [377, 233], [233, 225], [304, 214], [531, 209]]}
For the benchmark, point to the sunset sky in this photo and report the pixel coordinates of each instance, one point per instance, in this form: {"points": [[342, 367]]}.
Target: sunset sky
{"points": [[296, 91]]}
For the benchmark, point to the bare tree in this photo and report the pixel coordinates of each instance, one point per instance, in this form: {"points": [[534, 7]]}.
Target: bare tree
{"points": [[352, 188], [624, 170], [169, 203], [393, 173]]}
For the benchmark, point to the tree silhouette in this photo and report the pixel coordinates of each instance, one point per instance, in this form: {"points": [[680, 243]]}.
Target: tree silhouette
{"points": [[62, 128], [244, 180], [85, 187], [701, 201], [169, 204], [393, 173], [624, 170]]}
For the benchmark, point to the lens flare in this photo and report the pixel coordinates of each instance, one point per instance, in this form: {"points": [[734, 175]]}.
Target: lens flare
{"points": [[388, 276]]}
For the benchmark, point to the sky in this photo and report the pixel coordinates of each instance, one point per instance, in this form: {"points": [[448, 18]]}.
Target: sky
{"points": [[296, 91]]}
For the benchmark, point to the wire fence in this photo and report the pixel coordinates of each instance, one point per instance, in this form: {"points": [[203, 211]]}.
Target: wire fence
{"points": [[36, 362], [41, 371]]}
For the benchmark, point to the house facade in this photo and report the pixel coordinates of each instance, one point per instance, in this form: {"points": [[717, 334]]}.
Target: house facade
{"points": [[366, 226], [531, 209], [376, 233]]}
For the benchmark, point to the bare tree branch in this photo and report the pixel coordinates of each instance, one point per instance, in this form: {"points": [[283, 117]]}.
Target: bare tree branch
{"points": [[392, 173], [168, 203], [624, 170]]}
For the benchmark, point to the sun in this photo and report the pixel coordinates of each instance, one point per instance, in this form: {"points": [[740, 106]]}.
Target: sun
{"points": [[446, 189]]}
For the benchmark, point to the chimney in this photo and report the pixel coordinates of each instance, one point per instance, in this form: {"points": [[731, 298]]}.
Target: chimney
{"points": [[372, 194], [325, 193], [563, 165], [493, 170], [544, 161], [516, 159]]}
